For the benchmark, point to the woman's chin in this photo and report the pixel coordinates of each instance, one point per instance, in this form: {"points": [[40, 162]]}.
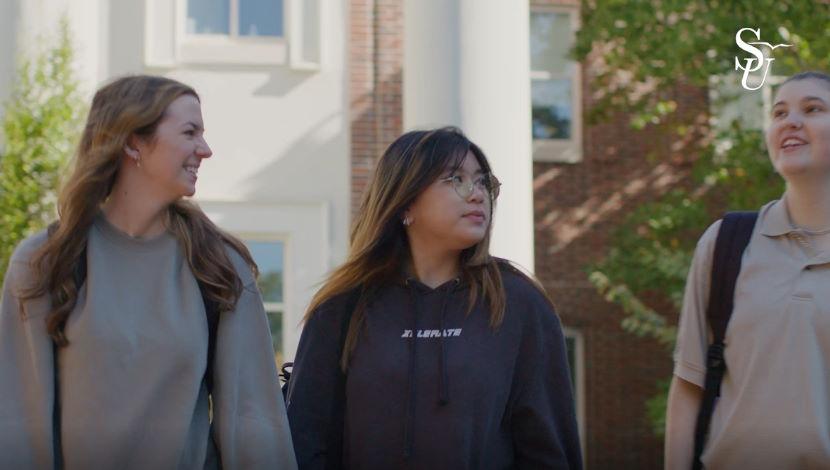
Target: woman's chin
{"points": [[468, 240]]}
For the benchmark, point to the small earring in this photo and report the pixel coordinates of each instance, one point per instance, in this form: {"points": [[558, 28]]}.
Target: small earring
{"points": [[407, 221], [137, 162]]}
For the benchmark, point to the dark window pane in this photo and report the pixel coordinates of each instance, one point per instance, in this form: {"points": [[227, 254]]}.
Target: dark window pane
{"points": [[208, 17], [570, 347], [269, 258], [260, 18], [275, 323], [551, 112]]}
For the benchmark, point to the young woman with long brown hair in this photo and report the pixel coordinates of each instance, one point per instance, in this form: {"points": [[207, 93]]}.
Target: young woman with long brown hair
{"points": [[108, 358], [422, 350]]}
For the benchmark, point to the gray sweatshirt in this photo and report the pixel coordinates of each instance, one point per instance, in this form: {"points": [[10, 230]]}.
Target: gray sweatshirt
{"points": [[131, 388]]}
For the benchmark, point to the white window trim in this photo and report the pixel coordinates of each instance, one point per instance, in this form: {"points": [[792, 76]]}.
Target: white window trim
{"points": [[563, 150], [167, 44], [274, 306], [579, 388], [209, 49]]}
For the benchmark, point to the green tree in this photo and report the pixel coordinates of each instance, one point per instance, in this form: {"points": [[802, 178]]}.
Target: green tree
{"points": [[638, 52], [41, 122]]}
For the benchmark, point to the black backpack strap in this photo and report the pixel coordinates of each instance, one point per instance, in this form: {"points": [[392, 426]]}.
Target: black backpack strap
{"points": [[733, 237], [212, 314]]}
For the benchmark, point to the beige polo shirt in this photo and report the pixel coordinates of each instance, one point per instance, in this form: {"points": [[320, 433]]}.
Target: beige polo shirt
{"points": [[774, 408]]}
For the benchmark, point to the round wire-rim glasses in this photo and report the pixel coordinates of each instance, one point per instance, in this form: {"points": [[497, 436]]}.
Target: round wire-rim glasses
{"points": [[487, 182]]}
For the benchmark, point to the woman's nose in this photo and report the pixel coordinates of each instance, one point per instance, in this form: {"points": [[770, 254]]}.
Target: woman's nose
{"points": [[204, 150]]}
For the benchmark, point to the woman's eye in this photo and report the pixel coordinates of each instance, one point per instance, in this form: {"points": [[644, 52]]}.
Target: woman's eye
{"points": [[777, 113], [811, 109], [456, 179]]}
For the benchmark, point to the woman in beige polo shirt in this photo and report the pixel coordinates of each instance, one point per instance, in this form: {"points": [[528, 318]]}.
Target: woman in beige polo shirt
{"points": [[774, 407]]}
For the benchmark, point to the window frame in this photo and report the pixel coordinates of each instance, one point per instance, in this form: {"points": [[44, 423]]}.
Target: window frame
{"points": [[251, 236], [273, 238], [167, 44], [230, 48], [579, 379], [561, 150]]}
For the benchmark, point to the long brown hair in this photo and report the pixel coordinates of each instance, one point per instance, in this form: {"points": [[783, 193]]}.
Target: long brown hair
{"points": [[132, 105], [379, 242]]}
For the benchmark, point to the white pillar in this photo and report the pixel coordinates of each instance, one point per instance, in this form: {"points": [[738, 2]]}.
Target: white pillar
{"points": [[38, 21], [467, 63]]}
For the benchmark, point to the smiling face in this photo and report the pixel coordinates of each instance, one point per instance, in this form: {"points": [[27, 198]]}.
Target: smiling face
{"points": [[442, 218], [170, 159], [798, 140]]}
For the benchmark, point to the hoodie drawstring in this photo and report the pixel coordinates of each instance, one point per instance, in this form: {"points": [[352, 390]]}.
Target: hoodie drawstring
{"points": [[443, 384], [443, 379], [410, 397]]}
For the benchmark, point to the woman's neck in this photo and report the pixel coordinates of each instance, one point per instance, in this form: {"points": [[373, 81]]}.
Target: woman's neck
{"points": [[137, 216], [809, 205], [433, 267]]}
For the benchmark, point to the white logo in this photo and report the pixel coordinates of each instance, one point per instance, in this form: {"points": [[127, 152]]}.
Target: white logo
{"points": [[432, 333], [754, 63]]}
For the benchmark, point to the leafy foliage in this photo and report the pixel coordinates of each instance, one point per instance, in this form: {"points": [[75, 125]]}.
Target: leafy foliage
{"points": [[40, 128], [638, 52]]}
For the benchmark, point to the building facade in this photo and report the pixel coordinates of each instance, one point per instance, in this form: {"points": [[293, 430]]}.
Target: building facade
{"points": [[300, 97]]}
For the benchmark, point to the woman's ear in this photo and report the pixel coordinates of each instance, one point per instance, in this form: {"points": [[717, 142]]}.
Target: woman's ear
{"points": [[131, 147], [131, 151]]}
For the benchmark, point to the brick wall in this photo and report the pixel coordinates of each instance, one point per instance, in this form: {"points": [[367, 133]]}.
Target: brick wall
{"points": [[576, 208], [375, 91]]}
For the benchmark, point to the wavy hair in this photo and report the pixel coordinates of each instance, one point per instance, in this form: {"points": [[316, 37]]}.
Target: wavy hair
{"points": [[132, 105]]}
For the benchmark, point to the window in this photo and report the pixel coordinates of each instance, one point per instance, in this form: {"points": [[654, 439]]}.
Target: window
{"points": [[555, 87], [576, 363], [234, 32], [269, 256], [237, 18]]}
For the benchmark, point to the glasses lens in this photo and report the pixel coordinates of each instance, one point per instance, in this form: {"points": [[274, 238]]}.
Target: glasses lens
{"points": [[463, 189], [493, 186]]}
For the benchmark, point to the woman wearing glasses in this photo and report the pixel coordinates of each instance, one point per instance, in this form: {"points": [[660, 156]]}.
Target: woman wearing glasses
{"points": [[422, 350]]}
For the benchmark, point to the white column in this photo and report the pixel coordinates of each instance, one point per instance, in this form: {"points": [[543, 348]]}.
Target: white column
{"points": [[38, 22], [467, 63]]}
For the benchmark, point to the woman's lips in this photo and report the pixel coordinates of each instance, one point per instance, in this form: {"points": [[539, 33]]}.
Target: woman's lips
{"points": [[475, 216]]}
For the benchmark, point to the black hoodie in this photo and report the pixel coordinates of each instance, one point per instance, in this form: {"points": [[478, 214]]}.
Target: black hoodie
{"points": [[429, 386]]}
